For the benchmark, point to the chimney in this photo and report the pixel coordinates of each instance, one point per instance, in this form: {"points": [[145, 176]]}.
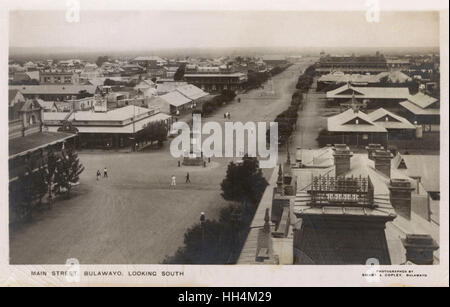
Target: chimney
{"points": [[342, 155], [371, 148], [280, 187], [382, 160], [400, 196], [419, 248]]}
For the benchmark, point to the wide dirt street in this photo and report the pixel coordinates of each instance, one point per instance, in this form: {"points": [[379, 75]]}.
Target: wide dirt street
{"points": [[134, 216]]}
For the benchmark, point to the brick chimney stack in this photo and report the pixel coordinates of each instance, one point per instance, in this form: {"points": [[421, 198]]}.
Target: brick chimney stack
{"points": [[382, 160], [400, 196], [342, 155], [419, 248], [371, 148]]}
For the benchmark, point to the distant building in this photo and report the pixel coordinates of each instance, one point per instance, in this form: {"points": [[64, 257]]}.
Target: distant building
{"points": [[352, 64], [149, 61], [110, 130], [58, 77], [217, 82], [373, 96], [54, 92], [275, 60]]}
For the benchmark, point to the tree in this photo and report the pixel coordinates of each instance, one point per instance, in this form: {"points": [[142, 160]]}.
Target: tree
{"points": [[101, 60], [244, 182], [50, 173], [39, 183], [180, 72], [68, 170]]}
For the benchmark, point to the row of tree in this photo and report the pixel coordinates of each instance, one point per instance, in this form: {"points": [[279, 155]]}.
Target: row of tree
{"points": [[216, 102], [306, 79], [52, 177], [220, 241], [287, 119], [256, 79], [153, 132]]}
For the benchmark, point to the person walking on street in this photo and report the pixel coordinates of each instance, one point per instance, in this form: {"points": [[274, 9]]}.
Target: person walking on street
{"points": [[173, 182], [98, 175], [188, 180], [105, 173]]}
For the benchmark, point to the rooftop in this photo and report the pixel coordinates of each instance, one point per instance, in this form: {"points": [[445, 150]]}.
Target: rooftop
{"points": [[23, 145], [389, 120], [64, 89], [352, 121], [347, 91]]}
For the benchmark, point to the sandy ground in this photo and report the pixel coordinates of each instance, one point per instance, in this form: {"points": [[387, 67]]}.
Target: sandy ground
{"points": [[134, 216]]}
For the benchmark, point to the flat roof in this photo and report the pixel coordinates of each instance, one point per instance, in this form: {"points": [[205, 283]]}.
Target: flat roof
{"points": [[23, 145]]}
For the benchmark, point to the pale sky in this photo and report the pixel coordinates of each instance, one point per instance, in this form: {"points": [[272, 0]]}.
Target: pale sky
{"points": [[124, 30]]}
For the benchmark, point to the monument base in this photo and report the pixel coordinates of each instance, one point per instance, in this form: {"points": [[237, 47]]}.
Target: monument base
{"points": [[193, 161]]}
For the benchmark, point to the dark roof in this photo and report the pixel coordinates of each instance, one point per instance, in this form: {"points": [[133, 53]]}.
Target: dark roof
{"points": [[34, 141]]}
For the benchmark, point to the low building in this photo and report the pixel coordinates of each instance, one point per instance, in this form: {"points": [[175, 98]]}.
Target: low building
{"points": [[176, 101], [423, 110], [354, 127], [110, 130], [58, 77], [217, 82], [54, 92], [396, 126], [373, 96], [28, 147]]}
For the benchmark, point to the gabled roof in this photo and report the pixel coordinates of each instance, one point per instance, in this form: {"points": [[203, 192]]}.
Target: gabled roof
{"points": [[427, 167], [422, 100], [47, 105], [415, 109], [191, 91], [369, 92], [346, 122], [393, 121], [175, 99], [167, 87], [12, 93]]}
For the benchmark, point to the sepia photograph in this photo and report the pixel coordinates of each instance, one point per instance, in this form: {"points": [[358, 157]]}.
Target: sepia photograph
{"points": [[142, 138]]}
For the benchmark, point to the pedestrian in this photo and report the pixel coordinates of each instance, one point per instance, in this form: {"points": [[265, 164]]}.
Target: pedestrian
{"points": [[188, 180], [98, 175], [173, 181], [229, 115], [225, 115], [105, 172]]}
